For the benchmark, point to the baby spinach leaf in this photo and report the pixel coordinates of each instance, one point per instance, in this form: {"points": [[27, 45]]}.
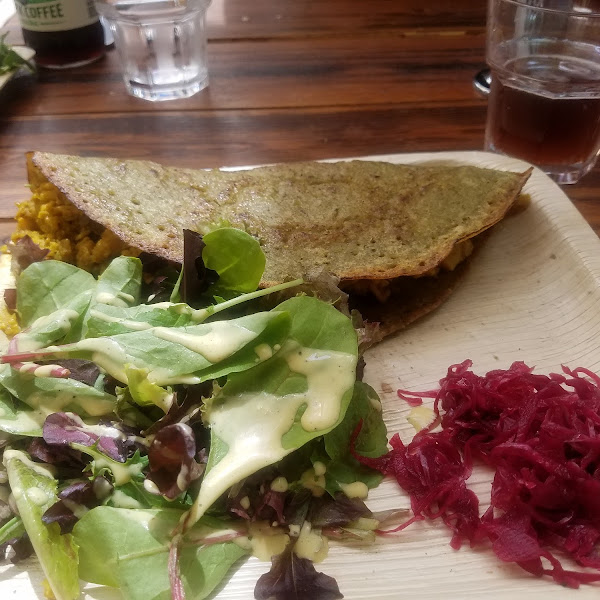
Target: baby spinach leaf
{"points": [[342, 467], [34, 491], [258, 417], [46, 286], [120, 283], [51, 394], [63, 324], [129, 549], [105, 320], [364, 409], [174, 354], [236, 256], [18, 421]]}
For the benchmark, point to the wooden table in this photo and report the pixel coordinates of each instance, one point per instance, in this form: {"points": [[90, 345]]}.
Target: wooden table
{"points": [[290, 80]]}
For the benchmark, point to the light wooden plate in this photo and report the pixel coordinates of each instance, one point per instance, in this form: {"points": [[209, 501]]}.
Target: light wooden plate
{"points": [[532, 294]]}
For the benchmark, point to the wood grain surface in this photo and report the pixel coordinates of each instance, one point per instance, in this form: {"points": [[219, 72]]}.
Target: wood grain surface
{"points": [[289, 80]]}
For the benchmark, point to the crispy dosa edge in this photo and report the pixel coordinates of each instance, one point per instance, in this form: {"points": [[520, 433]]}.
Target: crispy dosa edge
{"points": [[167, 244], [500, 210]]}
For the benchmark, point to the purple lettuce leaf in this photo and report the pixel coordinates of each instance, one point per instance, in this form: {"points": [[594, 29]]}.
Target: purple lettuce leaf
{"points": [[70, 463], [25, 252], [264, 504], [16, 549], [336, 512], [184, 408], [116, 440], [196, 277], [76, 499], [295, 578], [172, 460], [81, 370]]}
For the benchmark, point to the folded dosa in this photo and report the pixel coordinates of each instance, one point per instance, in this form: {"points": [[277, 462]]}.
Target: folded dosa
{"points": [[362, 221]]}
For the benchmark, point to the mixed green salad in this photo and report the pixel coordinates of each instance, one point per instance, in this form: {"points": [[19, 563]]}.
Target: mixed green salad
{"points": [[158, 427]]}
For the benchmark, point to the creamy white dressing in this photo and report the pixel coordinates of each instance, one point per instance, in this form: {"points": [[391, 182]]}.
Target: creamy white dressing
{"points": [[165, 378], [61, 319], [245, 503], [329, 375], [107, 354], [222, 340], [263, 351], [101, 430], [127, 323], [252, 425], [112, 299], [45, 370], [266, 541], [279, 484], [311, 544], [37, 496], [420, 416], [38, 370], [92, 405], [356, 489], [127, 297], [151, 487], [77, 509], [320, 468], [376, 403], [313, 482]]}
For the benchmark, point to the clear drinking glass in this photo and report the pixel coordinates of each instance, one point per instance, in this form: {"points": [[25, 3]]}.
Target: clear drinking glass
{"points": [[544, 102], [161, 44]]}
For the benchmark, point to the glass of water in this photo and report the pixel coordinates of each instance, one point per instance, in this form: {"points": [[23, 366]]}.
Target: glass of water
{"points": [[161, 44]]}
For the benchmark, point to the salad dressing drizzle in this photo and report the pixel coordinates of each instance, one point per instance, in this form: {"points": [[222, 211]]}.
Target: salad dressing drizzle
{"points": [[223, 339], [252, 424]]}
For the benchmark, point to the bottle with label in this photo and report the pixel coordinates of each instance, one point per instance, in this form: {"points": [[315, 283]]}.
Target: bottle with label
{"points": [[63, 33]]}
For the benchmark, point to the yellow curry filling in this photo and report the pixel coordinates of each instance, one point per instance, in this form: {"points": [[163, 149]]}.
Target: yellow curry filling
{"points": [[380, 288], [55, 224]]}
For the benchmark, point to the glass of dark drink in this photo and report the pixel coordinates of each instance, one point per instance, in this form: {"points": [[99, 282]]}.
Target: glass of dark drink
{"points": [[544, 102]]}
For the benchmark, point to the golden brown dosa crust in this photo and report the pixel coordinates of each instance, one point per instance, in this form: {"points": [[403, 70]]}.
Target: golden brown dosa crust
{"points": [[355, 219]]}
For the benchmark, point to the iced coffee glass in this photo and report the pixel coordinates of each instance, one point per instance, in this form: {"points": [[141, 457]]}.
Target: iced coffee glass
{"points": [[544, 102]]}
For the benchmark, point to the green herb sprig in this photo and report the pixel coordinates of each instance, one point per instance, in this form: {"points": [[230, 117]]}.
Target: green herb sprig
{"points": [[11, 60]]}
